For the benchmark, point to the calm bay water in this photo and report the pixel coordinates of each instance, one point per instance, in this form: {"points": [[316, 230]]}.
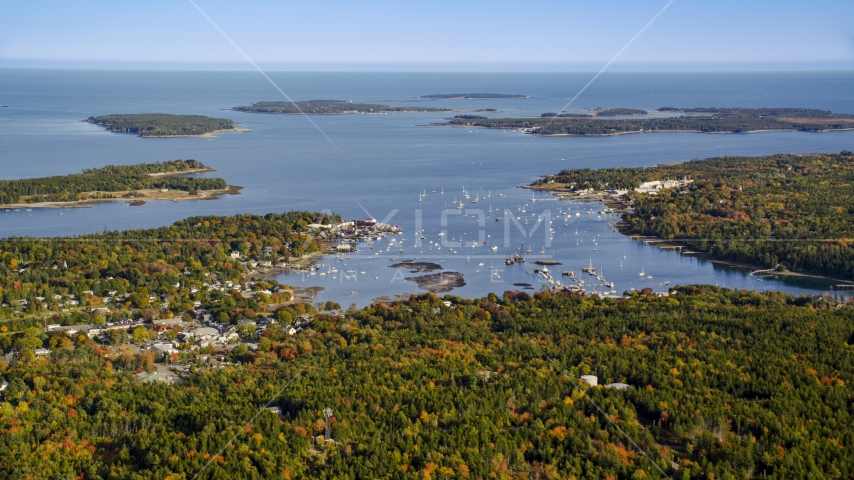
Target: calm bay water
{"points": [[376, 164]]}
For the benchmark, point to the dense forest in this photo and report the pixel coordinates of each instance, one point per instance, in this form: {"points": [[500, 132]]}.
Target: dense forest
{"points": [[161, 124], [705, 120], [794, 210], [721, 384], [130, 266], [98, 182], [329, 107], [473, 96]]}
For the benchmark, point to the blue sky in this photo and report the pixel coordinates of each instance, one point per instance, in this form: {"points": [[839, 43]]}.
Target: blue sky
{"points": [[438, 35]]}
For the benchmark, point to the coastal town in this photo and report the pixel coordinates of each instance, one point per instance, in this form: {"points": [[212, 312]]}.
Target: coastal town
{"points": [[184, 323]]}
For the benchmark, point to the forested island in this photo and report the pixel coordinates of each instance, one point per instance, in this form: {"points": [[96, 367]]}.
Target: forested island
{"points": [[162, 124], [603, 112], [701, 120], [315, 107], [791, 211], [166, 180], [472, 96]]}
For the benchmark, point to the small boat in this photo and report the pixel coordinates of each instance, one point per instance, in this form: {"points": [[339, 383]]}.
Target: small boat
{"points": [[642, 272], [495, 248]]}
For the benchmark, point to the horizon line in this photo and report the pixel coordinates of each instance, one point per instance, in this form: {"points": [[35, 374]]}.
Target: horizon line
{"points": [[429, 67]]}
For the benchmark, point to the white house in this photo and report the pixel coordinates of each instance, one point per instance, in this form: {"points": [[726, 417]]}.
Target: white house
{"points": [[41, 352]]}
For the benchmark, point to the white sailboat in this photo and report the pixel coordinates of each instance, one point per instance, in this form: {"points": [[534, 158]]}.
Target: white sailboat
{"points": [[642, 272]]}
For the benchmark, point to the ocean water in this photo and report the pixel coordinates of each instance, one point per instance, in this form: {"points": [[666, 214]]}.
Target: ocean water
{"points": [[376, 165]]}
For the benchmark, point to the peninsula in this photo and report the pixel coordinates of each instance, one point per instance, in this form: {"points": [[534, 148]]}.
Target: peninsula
{"points": [[330, 107], [472, 96], [700, 120], [787, 213], [137, 183], [162, 125]]}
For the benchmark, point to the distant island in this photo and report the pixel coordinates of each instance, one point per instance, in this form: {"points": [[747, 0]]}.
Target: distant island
{"points": [[160, 125], [608, 112], [701, 120], [473, 96], [134, 183], [786, 213], [330, 107]]}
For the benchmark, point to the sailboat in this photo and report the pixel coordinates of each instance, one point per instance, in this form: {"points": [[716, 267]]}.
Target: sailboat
{"points": [[642, 272]]}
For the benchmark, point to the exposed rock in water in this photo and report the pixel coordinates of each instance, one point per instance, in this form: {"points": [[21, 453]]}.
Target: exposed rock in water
{"points": [[439, 282], [546, 262], [417, 267]]}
